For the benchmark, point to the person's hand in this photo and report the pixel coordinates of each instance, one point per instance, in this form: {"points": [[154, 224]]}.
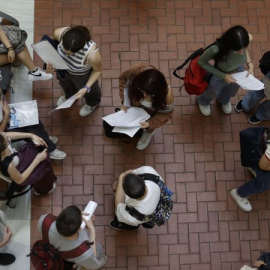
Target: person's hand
{"points": [[80, 94], [42, 155], [258, 263], [7, 236], [38, 141], [229, 79], [122, 175], [5, 108], [11, 56], [50, 68], [144, 125], [124, 108], [89, 223], [250, 69]]}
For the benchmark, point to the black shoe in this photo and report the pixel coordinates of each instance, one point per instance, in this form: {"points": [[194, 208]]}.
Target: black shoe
{"points": [[6, 258], [253, 120], [119, 226], [239, 107]]}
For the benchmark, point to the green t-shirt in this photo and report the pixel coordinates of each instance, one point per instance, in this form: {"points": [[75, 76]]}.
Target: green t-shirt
{"points": [[231, 63]]}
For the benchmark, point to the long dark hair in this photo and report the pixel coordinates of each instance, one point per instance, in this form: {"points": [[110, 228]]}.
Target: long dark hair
{"points": [[151, 82], [75, 38], [235, 39], [3, 144]]}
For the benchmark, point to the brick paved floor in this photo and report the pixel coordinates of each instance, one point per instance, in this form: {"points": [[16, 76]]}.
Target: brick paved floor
{"points": [[198, 156]]}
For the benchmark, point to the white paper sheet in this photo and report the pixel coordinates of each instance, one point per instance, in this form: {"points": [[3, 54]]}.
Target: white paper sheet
{"points": [[247, 83], [89, 209], [49, 55], [127, 122], [67, 104]]}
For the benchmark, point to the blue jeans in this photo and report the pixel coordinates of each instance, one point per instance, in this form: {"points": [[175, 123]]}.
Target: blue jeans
{"points": [[252, 98], [258, 184], [219, 88]]}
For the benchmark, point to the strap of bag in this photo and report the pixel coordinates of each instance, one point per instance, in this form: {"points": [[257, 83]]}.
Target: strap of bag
{"points": [[191, 57], [9, 18], [46, 225], [149, 176]]}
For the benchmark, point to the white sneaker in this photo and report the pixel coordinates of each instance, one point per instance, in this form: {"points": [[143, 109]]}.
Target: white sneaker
{"points": [[252, 171], [61, 100], [54, 139], [227, 108], [86, 110], [39, 75], [243, 203], [57, 154], [53, 188], [205, 109], [144, 140]]}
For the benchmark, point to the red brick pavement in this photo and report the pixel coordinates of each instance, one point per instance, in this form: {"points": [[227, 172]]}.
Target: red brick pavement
{"points": [[198, 156]]}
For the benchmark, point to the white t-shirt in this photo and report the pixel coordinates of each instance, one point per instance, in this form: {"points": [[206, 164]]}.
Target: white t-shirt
{"points": [[146, 206]]}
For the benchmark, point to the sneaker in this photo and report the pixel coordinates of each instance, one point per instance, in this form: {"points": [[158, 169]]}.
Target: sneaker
{"points": [[251, 171], [7, 259], [243, 203], [57, 154], [61, 100], [205, 109], [39, 75], [54, 139], [227, 108], [86, 110], [144, 140], [115, 226], [53, 188], [239, 107], [253, 120]]}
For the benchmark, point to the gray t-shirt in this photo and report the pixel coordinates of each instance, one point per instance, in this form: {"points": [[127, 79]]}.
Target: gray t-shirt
{"points": [[87, 259]]}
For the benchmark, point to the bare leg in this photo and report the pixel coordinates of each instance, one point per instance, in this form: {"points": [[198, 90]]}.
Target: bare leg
{"points": [[3, 59], [26, 59]]}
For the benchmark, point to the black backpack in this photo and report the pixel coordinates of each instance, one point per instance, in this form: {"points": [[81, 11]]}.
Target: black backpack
{"points": [[265, 63], [164, 207], [253, 142]]}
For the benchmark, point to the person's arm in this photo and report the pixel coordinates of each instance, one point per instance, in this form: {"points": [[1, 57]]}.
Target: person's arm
{"points": [[57, 34], [92, 233], [6, 237], [264, 163], [7, 44], [95, 62], [120, 194], [6, 115], [206, 57], [21, 135]]}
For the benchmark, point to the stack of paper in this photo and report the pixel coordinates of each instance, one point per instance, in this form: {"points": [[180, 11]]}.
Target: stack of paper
{"points": [[247, 83], [127, 122]]}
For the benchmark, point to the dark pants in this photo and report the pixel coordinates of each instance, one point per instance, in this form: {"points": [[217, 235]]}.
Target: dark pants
{"points": [[71, 84], [258, 184], [38, 130]]}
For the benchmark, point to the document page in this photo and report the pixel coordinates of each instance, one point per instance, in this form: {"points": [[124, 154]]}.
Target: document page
{"points": [[67, 104], [247, 83], [49, 55], [127, 122]]}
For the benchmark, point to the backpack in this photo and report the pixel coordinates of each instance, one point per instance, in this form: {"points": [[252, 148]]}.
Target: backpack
{"points": [[253, 142], [196, 79], [44, 256], [164, 207], [265, 63]]}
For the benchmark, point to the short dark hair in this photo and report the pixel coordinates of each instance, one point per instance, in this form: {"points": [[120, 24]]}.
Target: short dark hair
{"points": [[69, 221], [75, 38], [133, 186]]}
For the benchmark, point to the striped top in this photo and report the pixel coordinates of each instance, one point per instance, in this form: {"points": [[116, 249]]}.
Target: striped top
{"points": [[77, 62]]}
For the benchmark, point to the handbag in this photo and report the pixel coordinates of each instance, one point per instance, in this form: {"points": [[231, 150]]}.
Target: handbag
{"points": [[16, 37]]}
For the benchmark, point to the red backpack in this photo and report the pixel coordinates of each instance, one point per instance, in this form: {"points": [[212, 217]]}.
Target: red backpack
{"points": [[196, 79], [44, 256]]}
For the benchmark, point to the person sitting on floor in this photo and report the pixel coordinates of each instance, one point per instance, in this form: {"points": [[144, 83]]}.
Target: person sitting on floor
{"points": [[144, 86], [132, 190], [258, 184], [65, 234], [23, 55], [30, 165], [38, 130], [253, 98], [5, 236]]}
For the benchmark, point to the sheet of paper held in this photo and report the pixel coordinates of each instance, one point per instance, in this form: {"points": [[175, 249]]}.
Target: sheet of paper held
{"points": [[247, 83], [67, 104], [127, 122], [49, 55]]}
